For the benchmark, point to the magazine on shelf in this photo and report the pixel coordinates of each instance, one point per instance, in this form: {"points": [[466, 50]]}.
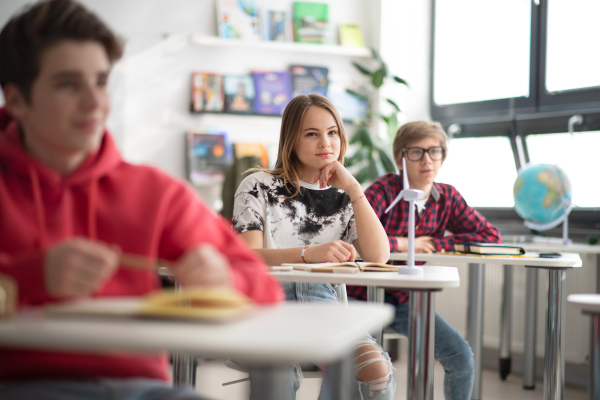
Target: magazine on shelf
{"points": [[207, 155], [343, 267], [350, 35], [308, 79], [239, 94], [275, 25], [272, 91], [311, 22], [238, 19], [207, 92]]}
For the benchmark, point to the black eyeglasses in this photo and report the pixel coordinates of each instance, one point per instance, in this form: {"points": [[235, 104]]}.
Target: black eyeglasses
{"points": [[416, 153]]}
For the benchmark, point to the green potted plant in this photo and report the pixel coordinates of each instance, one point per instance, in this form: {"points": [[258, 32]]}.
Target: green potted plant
{"points": [[372, 153]]}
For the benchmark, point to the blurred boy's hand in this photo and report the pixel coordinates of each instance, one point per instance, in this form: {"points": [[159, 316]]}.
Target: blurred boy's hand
{"points": [[202, 266], [77, 267]]}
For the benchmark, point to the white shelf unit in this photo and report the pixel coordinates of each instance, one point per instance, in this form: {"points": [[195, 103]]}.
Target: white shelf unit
{"points": [[291, 47]]}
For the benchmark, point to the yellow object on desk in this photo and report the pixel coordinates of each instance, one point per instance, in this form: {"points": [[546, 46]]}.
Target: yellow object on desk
{"points": [[195, 303]]}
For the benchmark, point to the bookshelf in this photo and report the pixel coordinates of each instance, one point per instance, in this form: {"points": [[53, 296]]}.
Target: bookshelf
{"points": [[287, 47]]}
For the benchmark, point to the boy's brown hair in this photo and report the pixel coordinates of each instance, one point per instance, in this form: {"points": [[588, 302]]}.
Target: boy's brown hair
{"points": [[37, 27], [413, 132]]}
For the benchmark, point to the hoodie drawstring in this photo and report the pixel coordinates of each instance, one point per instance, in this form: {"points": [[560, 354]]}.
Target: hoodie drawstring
{"points": [[39, 206]]}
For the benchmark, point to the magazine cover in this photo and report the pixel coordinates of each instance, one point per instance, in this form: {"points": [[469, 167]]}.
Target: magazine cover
{"points": [[272, 92], [308, 79], [207, 92], [311, 22], [350, 107], [239, 94], [207, 155], [237, 19], [275, 25]]}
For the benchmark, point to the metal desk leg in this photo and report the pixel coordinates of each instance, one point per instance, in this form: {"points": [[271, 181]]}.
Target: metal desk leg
{"points": [[506, 321], [594, 385], [421, 336], [475, 323], [376, 295], [531, 291], [184, 366], [554, 371]]}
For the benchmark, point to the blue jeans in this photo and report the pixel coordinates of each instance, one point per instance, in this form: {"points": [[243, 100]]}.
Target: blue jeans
{"points": [[97, 389], [451, 350], [315, 292]]}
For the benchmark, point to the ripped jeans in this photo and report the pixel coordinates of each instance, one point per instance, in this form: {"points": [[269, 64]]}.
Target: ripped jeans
{"points": [[379, 389]]}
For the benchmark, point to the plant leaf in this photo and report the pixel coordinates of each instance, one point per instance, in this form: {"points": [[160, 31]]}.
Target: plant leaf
{"points": [[377, 78], [362, 175], [375, 54], [386, 161], [362, 137], [400, 80], [393, 103], [358, 95], [392, 125], [363, 70], [373, 170]]}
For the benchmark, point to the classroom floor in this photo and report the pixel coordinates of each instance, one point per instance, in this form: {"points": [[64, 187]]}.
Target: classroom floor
{"points": [[211, 374]]}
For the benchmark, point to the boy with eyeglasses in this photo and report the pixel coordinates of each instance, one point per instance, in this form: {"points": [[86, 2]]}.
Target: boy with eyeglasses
{"points": [[424, 146]]}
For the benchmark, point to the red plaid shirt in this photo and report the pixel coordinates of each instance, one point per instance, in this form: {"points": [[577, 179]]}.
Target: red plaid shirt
{"points": [[445, 210]]}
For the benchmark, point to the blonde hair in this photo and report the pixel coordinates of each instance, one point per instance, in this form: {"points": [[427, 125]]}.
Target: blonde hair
{"points": [[288, 165], [415, 131]]}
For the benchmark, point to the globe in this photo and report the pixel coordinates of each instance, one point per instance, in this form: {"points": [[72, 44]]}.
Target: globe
{"points": [[542, 194]]}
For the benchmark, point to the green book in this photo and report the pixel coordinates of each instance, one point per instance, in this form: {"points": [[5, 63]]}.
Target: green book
{"points": [[311, 22]]}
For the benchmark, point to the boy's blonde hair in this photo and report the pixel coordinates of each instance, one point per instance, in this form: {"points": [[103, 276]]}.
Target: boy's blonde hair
{"points": [[413, 132]]}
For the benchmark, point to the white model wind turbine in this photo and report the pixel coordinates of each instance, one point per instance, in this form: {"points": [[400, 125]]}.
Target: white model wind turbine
{"points": [[410, 195]]}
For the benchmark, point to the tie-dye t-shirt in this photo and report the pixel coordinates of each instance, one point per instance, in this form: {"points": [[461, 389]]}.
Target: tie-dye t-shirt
{"points": [[314, 216]]}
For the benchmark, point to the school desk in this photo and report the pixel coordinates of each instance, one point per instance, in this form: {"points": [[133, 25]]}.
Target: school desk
{"points": [[270, 335], [421, 314], [557, 270]]}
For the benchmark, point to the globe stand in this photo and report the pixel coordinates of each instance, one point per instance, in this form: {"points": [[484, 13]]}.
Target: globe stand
{"points": [[410, 195], [564, 219]]}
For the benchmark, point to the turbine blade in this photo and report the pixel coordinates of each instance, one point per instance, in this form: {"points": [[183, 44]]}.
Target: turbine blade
{"points": [[396, 200]]}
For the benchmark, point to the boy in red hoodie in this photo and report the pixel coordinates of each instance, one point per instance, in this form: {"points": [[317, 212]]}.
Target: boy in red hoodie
{"points": [[70, 206]]}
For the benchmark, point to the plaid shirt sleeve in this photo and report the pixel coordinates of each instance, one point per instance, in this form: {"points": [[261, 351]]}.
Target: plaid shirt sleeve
{"points": [[465, 223]]}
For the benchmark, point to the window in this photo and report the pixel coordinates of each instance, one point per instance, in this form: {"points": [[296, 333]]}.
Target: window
{"points": [[482, 170], [515, 66]]}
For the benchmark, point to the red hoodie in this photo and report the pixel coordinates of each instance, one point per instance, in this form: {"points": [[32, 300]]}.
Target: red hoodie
{"points": [[140, 208]]}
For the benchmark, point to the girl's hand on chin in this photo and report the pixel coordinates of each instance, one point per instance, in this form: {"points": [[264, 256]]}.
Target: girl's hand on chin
{"points": [[336, 175]]}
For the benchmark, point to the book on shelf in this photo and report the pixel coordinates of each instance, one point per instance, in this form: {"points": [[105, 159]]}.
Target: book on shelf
{"points": [[207, 155], [350, 35], [350, 107], [210, 304], [239, 94], [311, 22], [259, 150], [275, 25], [207, 92], [238, 19], [490, 249], [343, 267], [308, 79], [272, 91]]}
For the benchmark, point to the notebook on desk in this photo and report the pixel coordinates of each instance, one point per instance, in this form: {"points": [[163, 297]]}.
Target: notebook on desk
{"points": [[344, 267]]}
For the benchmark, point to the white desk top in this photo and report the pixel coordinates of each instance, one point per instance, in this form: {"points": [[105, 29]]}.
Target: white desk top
{"points": [[586, 303], [271, 334], [551, 244], [433, 277], [568, 260]]}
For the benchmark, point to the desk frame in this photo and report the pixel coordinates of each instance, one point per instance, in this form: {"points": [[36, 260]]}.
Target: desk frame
{"points": [[554, 355]]}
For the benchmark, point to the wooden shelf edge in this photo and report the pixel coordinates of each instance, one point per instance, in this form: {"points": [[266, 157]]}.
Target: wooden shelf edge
{"points": [[336, 50]]}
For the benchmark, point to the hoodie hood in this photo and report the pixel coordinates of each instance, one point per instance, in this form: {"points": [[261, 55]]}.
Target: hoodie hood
{"points": [[43, 179]]}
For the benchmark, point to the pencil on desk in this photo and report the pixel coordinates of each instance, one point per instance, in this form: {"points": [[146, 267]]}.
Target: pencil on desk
{"points": [[135, 261]]}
